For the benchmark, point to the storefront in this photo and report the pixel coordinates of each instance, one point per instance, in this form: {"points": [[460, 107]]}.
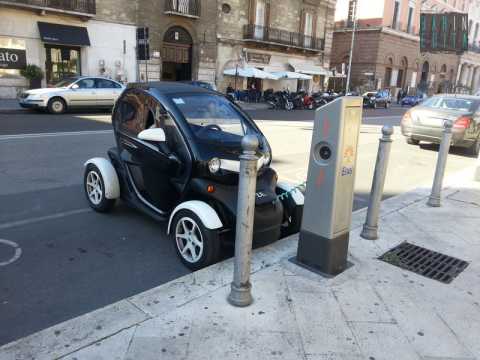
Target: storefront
{"points": [[65, 46]]}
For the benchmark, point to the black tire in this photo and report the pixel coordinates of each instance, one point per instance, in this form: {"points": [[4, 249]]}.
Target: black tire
{"points": [[57, 106], [103, 205], [474, 150], [292, 220], [411, 141], [210, 253]]}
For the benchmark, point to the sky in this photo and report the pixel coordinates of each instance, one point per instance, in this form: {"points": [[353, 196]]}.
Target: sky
{"points": [[367, 9]]}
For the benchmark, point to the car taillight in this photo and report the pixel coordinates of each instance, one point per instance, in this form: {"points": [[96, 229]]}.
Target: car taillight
{"points": [[462, 122], [407, 119]]}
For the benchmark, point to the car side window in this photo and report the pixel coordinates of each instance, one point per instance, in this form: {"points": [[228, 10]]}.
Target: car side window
{"points": [[86, 84], [107, 84], [130, 114]]}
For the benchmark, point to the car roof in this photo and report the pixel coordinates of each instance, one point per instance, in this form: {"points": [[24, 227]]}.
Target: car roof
{"points": [[168, 87], [460, 96]]}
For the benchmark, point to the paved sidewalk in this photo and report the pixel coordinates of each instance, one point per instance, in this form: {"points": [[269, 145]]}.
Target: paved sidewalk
{"points": [[372, 311]]}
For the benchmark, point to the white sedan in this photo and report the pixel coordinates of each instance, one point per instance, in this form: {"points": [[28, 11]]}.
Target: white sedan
{"points": [[74, 92]]}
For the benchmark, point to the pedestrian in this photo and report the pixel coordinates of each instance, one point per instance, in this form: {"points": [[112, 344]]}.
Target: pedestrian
{"points": [[399, 96]]}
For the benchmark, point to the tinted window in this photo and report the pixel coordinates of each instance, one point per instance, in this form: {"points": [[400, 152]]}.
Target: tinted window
{"points": [[86, 84], [107, 84], [65, 82], [130, 114], [452, 103], [212, 117]]}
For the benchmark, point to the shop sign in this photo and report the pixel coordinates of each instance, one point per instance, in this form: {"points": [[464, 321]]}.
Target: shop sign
{"points": [[258, 58], [444, 32], [13, 59]]}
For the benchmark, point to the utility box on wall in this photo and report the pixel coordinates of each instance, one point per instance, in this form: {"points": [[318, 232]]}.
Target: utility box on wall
{"points": [[324, 235]]}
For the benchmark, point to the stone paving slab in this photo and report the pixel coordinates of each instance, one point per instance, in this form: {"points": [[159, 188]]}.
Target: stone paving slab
{"points": [[373, 310]]}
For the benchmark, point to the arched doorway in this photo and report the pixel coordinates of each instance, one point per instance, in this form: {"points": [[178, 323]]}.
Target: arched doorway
{"points": [[423, 85], [177, 55], [402, 73]]}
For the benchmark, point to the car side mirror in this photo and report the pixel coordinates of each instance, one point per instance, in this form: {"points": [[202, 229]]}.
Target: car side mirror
{"points": [[155, 135], [75, 87]]}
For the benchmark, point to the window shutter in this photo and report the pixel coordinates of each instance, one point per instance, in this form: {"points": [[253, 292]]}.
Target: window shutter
{"points": [[314, 25], [267, 13], [302, 21], [252, 11]]}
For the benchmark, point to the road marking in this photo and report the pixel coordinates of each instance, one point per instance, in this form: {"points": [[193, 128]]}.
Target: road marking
{"points": [[41, 135], [43, 218], [16, 256]]}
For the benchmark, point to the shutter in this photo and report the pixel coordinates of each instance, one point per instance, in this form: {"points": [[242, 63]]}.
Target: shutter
{"points": [[314, 26], [302, 22], [252, 11], [267, 13]]}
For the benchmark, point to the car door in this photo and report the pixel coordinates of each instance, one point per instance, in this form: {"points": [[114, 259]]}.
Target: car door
{"points": [[83, 93], [107, 92], [151, 166]]}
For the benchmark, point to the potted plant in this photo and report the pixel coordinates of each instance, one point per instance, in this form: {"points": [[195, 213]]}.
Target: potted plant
{"points": [[34, 75]]}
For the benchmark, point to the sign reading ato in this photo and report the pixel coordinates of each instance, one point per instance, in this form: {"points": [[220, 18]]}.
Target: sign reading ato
{"points": [[13, 59]]}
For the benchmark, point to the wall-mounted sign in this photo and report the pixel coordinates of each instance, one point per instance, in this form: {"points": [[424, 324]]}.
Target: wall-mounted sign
{"points": [[13, 59], [444, 32], [258, 58]]}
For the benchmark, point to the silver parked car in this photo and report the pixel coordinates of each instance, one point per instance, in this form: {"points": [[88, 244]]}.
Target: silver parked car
{"points": [[74, 92], [425, 122]]}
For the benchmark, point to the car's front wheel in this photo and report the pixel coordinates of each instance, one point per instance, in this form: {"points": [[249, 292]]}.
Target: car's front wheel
{"points": [[57, 106], [196, 246]]}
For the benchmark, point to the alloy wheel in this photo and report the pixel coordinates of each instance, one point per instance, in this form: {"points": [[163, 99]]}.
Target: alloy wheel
{"points": [[189, 240], [57, 106], [94, 188]]}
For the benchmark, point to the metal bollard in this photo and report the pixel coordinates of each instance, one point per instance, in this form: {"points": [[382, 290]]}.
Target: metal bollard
{"points": [[435, 197], [370, 228], [240, 294]]}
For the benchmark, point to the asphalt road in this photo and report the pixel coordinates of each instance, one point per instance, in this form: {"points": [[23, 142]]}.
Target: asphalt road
{"points": [[73, 260]]}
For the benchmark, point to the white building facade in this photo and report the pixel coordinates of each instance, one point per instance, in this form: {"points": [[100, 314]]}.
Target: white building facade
{"points": [[74, 38]]}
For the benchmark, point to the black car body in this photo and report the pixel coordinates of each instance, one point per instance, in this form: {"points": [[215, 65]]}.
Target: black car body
{"points": [[374, 99], [192, 168]]}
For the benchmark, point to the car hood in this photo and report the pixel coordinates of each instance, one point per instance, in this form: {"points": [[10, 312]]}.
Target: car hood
{"points": [[44, 91]]}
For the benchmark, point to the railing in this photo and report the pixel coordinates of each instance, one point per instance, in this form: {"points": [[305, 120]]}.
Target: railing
{"points": [[190, 8], [398, 27], [73, 6], [282, 37]]}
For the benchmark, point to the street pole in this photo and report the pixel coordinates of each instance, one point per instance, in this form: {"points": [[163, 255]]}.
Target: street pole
{"points": [[370, 228], [241, 294], [349, 73], [435, 197]]}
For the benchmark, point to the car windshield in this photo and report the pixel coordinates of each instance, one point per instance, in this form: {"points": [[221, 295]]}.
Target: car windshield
{"points": [[451, 103], [212, 117], [65, 82]]}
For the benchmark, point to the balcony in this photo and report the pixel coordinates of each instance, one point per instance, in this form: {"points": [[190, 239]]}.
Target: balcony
{"points": [[188, 8], [84, 8], [283, 38]]}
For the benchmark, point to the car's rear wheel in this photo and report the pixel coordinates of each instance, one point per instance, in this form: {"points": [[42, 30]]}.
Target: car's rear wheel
{"points": [[196, 246], [411, 141], [94, 186], [57, 106], [475, 148]]}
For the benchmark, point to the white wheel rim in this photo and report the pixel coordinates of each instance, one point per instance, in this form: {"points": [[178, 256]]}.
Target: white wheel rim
{"points": [[189, 240], [57, 106], [94, 188]]}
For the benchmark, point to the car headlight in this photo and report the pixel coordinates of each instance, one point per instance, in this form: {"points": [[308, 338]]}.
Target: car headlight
{"points": [[214, 165]]}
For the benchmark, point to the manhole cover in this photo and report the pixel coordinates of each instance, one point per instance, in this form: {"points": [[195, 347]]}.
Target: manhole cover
{"points": [[425, 262]]}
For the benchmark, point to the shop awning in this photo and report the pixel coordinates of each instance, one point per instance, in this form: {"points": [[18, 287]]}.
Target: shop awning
{"points": [[311, 69], [63, 34], [291, 75], [250, 72]]}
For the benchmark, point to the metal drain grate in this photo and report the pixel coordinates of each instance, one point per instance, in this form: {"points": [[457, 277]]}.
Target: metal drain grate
{"points": [[425, 262]]}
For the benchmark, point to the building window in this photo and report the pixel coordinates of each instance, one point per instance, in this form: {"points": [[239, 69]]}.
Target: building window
{"points": [[61, 62], [308, 30], [259, 19], [226, 8], [396, 11], [410, 19]]}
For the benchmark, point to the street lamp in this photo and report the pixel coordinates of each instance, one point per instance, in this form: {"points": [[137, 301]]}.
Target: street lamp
{"points": [[354, 4]]}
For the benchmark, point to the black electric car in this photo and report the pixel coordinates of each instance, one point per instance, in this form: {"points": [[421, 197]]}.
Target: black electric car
{"points": [[177, 160]]}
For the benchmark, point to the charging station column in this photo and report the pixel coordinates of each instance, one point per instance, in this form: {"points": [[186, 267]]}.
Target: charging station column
{"points": [[327, 213]]}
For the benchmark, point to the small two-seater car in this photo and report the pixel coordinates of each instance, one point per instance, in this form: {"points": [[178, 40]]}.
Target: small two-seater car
{"points": [[177, 160]]}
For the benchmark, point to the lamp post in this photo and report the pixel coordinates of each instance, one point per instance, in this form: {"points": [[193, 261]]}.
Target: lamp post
{"points": [[354, 20]]}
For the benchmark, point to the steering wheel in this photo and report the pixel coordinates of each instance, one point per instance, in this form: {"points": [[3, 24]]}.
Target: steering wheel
{"points": [[212, 127]]}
